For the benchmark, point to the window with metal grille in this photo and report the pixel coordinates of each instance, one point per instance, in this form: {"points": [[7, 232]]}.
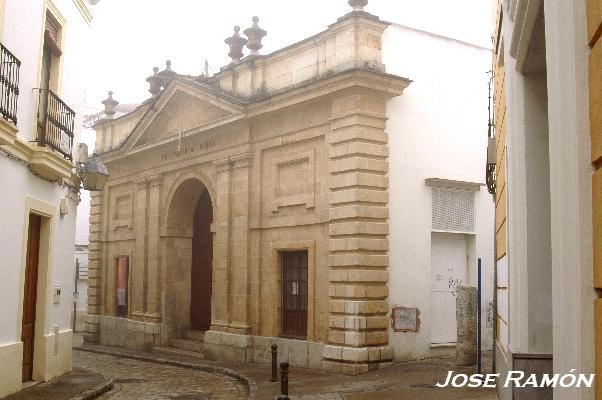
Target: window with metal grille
{"points": [[453, 210]]}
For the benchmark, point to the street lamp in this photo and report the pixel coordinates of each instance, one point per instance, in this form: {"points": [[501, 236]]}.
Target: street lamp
{"points": [[90, 170]]}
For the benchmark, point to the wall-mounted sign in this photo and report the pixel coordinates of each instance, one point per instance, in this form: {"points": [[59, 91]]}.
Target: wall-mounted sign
{"points": [[405, 319]]}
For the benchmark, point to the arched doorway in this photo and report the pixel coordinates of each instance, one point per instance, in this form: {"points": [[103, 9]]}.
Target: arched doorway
{"points": [[188, 244], [201, 265]]}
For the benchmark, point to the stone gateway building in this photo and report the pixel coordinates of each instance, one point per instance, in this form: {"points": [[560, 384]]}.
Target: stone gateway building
{"points": [[251, 207]]}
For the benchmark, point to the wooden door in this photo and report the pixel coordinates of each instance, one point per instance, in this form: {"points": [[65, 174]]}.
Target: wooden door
{"points": [[294, 294], [202, 264], [30, 295]]}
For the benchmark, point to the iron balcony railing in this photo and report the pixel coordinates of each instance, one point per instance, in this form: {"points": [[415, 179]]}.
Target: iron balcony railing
{"points": [[55, 123], [9, 84]]}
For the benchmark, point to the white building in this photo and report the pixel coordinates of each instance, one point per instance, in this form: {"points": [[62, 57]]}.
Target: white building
{"points": [[441, 215], [43, 50], [548, 64]]}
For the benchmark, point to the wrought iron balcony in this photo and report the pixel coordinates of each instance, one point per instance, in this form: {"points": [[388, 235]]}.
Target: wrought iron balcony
{"points": [[9, 84], [55, 123]]}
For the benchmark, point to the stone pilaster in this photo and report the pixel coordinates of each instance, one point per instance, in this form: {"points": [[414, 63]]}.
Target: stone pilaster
{"points": [[358, 246], [239, 288], [92, 318], [138, 264], [221, 247], [151, 306]]}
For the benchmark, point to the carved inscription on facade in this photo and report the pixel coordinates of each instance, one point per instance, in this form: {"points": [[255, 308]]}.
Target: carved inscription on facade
{"points": [[189, 150]]}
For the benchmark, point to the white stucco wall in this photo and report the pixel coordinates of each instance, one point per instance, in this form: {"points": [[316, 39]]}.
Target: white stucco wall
{"points": [[570, 193], [22, 35], [81, 256], [569, 303], [437, 129]]}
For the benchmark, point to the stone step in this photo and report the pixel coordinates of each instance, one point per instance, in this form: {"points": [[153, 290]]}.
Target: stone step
{"points": [[171, 351], [194, 335], [186, 344]]}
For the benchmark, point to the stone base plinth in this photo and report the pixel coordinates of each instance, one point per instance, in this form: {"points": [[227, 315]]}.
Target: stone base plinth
{"points": [[247, 348], [356, 360], [225, 346], [135, 335], [91, 328]]}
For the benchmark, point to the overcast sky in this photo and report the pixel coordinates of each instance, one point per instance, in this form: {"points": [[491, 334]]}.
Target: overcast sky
{"points": [[129, 37]]}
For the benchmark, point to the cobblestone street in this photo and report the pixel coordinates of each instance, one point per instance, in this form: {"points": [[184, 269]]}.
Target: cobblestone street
{"points": [[135, 379], [139, 375]]}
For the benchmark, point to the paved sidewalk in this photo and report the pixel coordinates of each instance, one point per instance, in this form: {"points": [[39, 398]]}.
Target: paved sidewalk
{"points": [[411, 381], [80, 384]]}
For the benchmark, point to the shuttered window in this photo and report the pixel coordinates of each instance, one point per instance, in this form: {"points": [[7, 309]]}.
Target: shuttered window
{"points": [[52, 35], [453, 210]]}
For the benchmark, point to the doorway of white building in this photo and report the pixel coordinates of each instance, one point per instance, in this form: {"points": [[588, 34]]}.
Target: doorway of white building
{"points": [[449, 266]]}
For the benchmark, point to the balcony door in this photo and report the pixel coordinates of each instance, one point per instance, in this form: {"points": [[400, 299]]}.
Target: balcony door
{"points": [[44, 86], [294, 294]]}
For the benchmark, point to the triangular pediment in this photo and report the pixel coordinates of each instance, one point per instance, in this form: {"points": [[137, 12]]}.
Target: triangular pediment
{"points": [[179, 109]]}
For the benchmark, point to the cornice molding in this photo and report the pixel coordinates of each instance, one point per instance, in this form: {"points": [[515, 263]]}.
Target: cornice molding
{"points": [[56, 13], [50, 165], [84, 10], [522, 30], [8, 132], [453, 184]]}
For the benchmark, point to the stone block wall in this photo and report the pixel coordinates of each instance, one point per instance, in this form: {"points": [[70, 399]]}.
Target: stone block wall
{"points": [[257, 349], [128, 333], [92, 319]]}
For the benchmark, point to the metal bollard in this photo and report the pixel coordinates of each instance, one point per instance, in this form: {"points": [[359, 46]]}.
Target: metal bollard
{"points": [[284, 378], [282, 397], [274, 363]]}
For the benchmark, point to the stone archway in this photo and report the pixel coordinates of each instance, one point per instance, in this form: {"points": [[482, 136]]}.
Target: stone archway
{"points": [[189, 257]]}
